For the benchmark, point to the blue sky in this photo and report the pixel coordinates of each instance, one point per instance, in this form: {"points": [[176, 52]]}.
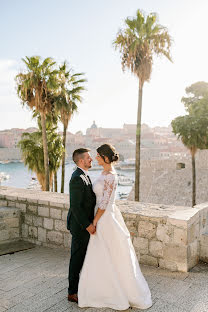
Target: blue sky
{"points": [[82, 33]]}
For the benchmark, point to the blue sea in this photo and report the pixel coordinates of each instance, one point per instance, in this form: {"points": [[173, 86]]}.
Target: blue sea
{"points": [[21, 177]]}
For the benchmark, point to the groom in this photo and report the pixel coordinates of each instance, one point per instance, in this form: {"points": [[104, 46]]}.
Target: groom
{"points": [[80, 217]]}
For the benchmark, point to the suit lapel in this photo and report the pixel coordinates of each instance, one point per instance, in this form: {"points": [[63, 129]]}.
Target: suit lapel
{"points": [[83, 176]]}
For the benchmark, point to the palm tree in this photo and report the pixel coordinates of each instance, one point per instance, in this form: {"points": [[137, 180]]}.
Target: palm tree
{"points": [[31, 146], [34, 89], [138, 43], [66, 104]]}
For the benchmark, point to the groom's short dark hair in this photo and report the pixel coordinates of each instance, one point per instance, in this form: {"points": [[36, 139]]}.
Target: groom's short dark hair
{"points": [[78, 153]]}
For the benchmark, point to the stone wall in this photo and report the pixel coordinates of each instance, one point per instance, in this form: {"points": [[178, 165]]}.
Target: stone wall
{"points": [[9, 224], [172, 186], [165, 236], [43, 215]]}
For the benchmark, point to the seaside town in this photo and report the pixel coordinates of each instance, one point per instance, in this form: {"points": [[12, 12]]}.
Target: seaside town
{"points": [[156, 143]]}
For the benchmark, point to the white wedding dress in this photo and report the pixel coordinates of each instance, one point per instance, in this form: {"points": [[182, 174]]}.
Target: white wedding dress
{"points": [[111, 276]]}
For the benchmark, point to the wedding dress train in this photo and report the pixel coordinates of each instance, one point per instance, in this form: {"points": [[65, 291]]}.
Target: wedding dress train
{"points": [[111, 276]]}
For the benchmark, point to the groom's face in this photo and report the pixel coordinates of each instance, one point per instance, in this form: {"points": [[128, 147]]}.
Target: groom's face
{"points": [[87, 160]]}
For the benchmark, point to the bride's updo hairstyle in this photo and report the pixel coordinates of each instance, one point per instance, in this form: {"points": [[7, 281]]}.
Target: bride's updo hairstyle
{"points": [[109, 151]]}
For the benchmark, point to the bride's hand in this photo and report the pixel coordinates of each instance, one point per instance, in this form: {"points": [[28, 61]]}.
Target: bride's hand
{"points": [[94, 222]]}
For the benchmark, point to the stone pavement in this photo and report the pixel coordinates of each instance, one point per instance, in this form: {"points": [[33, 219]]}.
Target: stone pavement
{"points": [[36, 280]]}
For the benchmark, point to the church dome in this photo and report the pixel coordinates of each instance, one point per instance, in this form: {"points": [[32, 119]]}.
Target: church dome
{"points": [[94, 126]]}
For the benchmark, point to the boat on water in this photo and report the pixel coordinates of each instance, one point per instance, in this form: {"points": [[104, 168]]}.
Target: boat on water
{"points": [[34, 184], [123, 195], [4, 177], [125, 181]]}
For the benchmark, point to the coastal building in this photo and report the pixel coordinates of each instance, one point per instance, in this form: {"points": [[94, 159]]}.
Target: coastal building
{"points": [[156, 143]]}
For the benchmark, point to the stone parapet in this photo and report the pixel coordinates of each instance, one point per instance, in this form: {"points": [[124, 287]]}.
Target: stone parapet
{"points": [[169, 237], [9, 224]]}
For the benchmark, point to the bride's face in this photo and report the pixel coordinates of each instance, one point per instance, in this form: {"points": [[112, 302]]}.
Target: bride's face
{"points": [[99, 160]]}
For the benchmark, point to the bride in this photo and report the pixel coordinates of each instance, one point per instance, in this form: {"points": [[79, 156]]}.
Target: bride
{"points": [[111, 276]]}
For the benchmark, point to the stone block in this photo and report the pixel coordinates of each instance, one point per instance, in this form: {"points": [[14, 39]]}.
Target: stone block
{"points": [[3, 203], [12, 222], [164, 233], [43, 211], [193, 232], [3, 225], [182, 267], [141, 244], [145, 259], [11, 203], [41, 234], [12, 198], [48, 223], [178, 223], [25, 230], [21, 206], [67, 240], [180, 236], [146, 229], [132, 226], [32, 200], [33, 232], [37, 221], [175, 253], [28, 219], [167, 264], [203, 253], [64, 215], [60, 225], [32, 209], [193, 254], [55, 213], [56, 204], [8, 212], [156, 249], [14, 233], [55, 237], [43, 202], [130, 216], [4, 235], [204, 239]]}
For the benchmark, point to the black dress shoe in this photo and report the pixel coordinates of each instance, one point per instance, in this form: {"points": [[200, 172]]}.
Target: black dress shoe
{"points": [[73, 298]]}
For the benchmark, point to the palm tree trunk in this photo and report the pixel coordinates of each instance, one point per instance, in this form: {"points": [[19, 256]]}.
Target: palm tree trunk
{"points": [[63, 161], [45, 151], [193, 179], [55, 182], [138, 138], [52, 186]]}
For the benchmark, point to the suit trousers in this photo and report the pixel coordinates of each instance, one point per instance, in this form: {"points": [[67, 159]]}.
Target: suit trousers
{"points": [[78, 251]]}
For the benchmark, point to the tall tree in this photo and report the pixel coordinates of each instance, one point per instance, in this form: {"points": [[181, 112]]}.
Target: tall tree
{"points": [[193, 132], [71, 86], [193, 128], [34, 88], [31, 146], [196, 99], [141, 39]]}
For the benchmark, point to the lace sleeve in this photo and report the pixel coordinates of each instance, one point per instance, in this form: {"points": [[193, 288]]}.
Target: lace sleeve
{"points": [[109, 182]]}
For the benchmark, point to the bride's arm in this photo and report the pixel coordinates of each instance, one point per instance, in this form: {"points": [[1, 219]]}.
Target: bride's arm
{"points": [[109, 181]]}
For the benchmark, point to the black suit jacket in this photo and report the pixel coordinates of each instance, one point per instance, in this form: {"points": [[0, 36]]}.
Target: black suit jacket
{"points": [[82, 203]]}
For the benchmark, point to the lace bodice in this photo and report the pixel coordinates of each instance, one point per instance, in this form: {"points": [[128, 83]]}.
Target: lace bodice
{"points": [[104, 188]]}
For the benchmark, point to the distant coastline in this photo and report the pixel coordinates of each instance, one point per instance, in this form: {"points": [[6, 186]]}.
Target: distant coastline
{"points": [[3, 162]]}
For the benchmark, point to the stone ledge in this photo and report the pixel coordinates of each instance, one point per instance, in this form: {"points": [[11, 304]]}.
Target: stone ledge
{"points": [[165, 236]]}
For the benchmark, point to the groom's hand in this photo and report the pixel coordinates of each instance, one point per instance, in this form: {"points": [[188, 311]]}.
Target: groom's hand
{"points": [[91, 229]]}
